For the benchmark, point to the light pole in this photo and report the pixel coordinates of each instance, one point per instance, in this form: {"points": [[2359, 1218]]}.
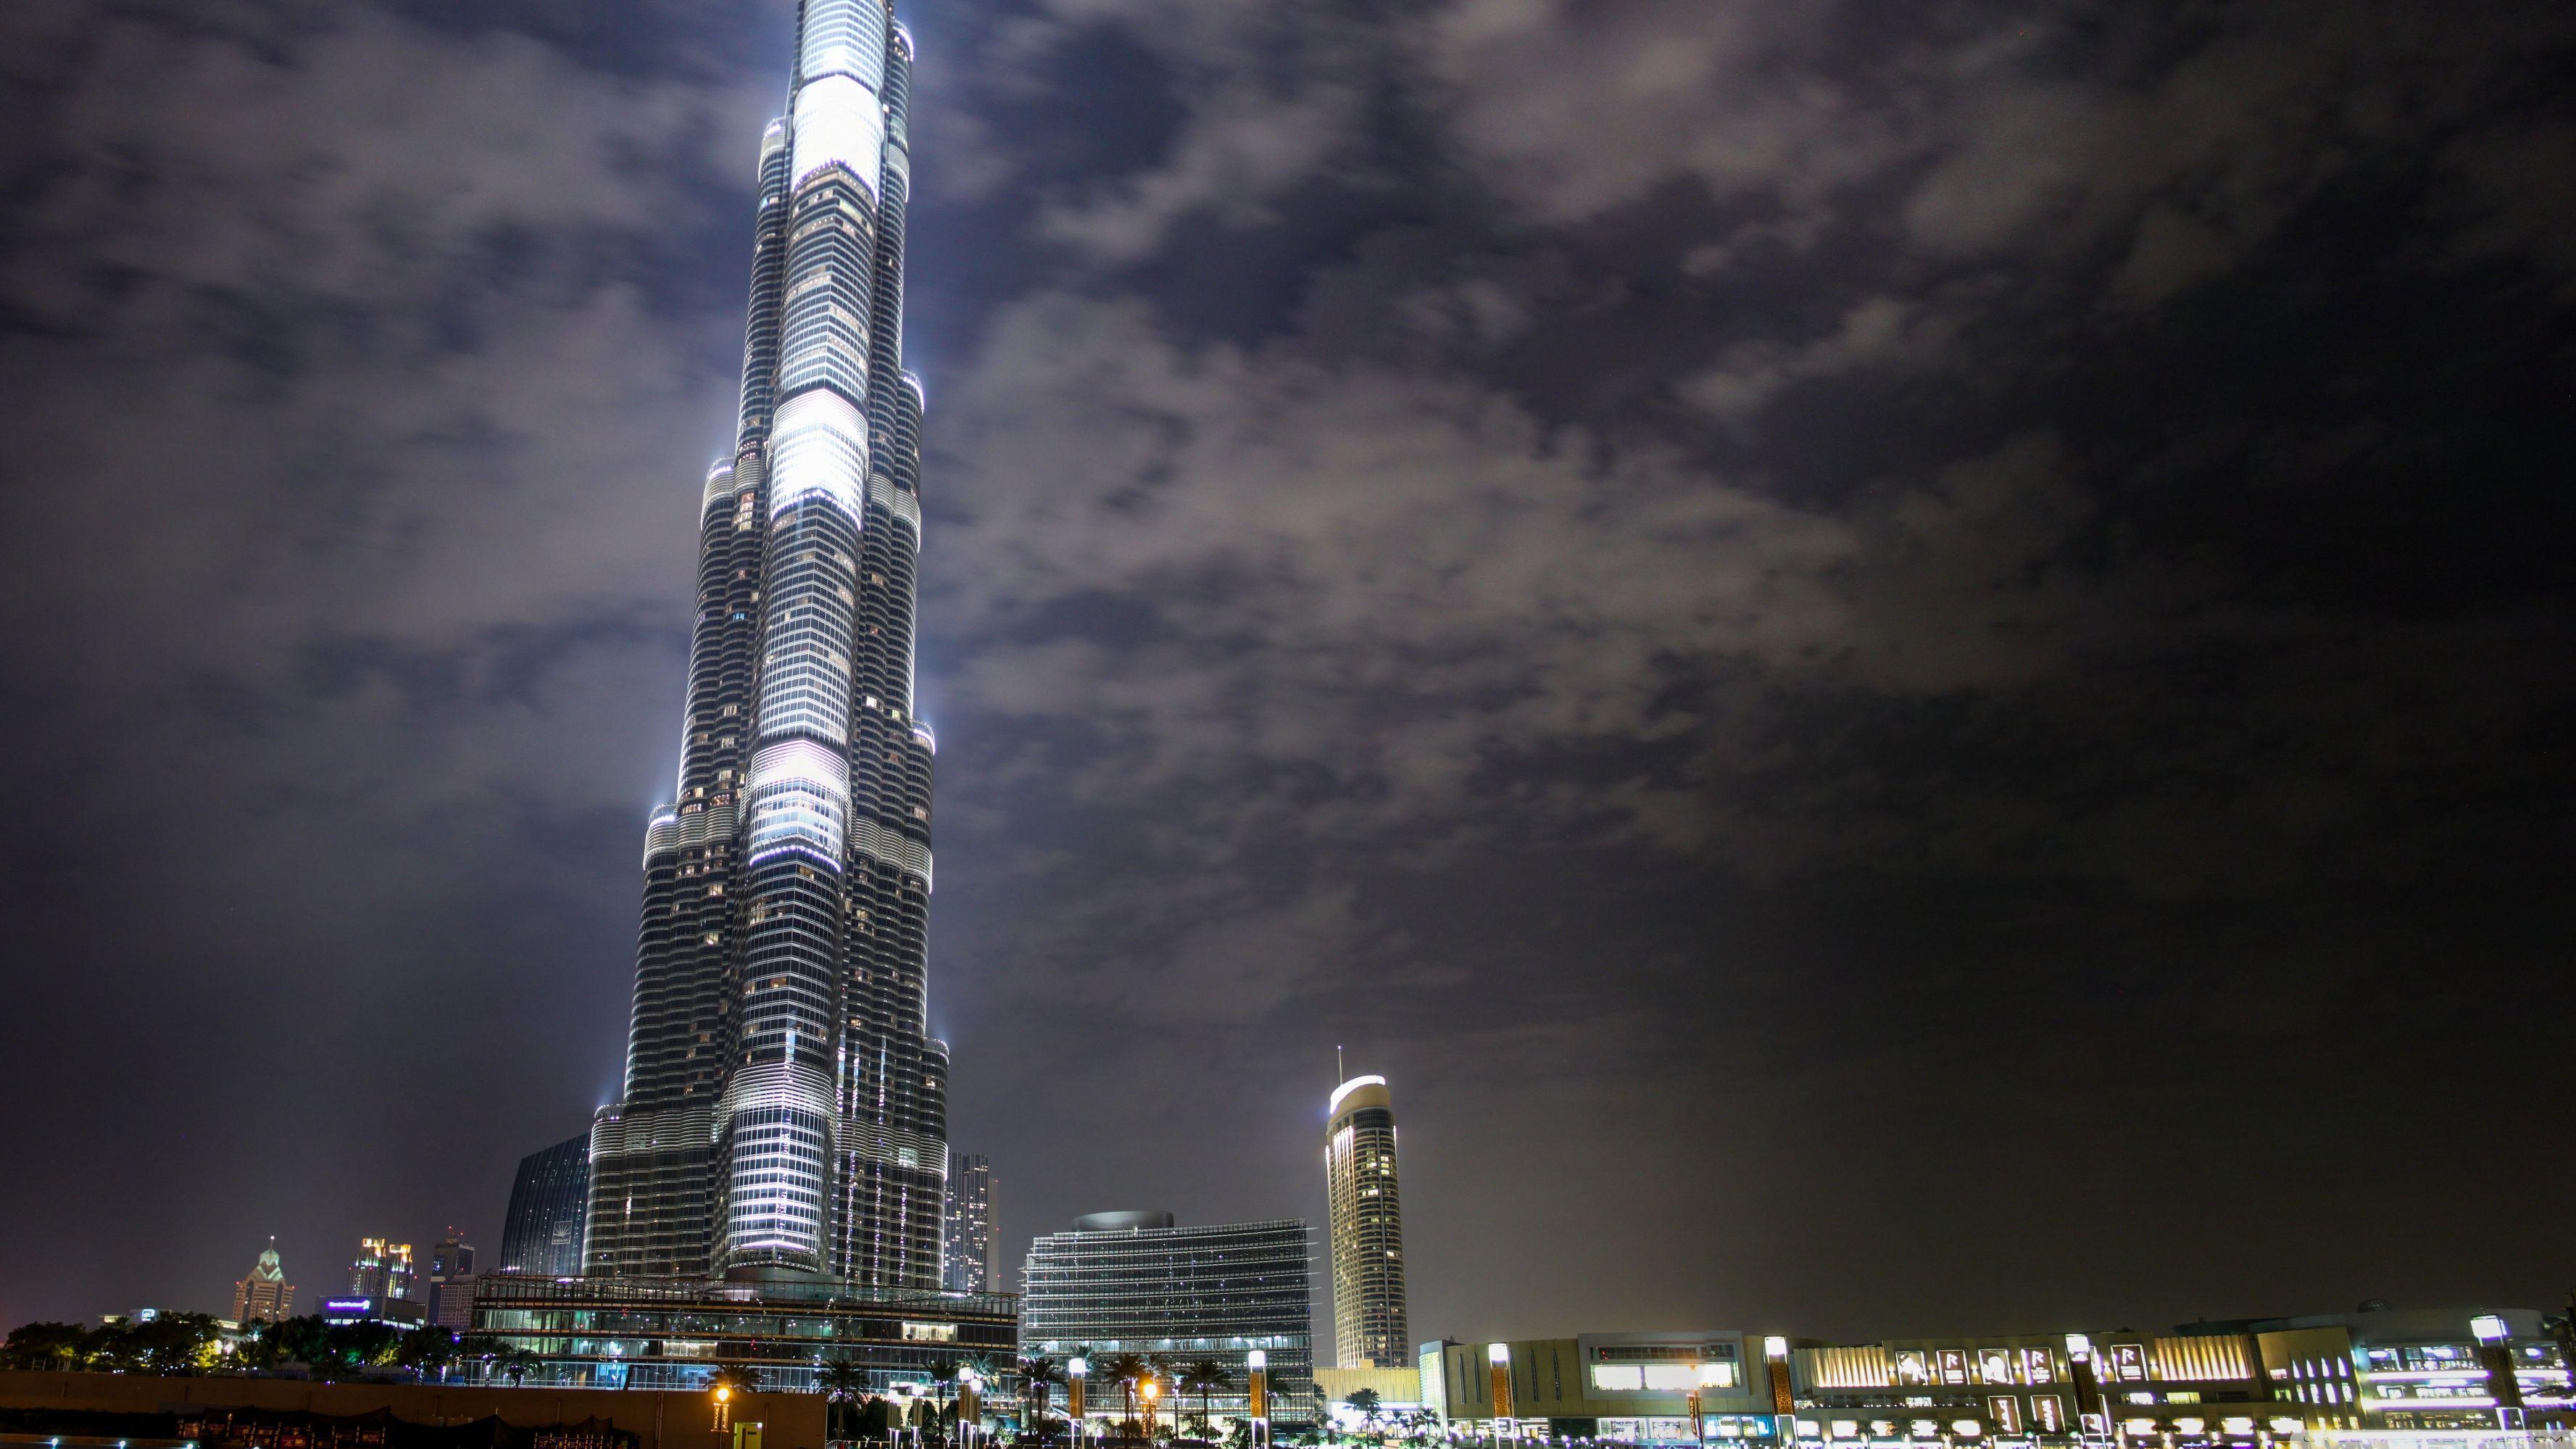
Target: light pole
{"points": [[1151, 1391], [1256, 1366], [1076, 1369]]}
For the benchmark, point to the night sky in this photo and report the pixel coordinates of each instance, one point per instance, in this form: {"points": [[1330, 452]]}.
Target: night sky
{"points": [[1908, 665]]}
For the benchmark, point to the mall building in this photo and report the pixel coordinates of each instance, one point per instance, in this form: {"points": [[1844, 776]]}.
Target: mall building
{"points": [[2371, 1372]]}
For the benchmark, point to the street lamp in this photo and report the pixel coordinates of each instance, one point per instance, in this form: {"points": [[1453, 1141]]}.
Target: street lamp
{"points": [[1256, 1400], [1151, 1391], [1076, 1369]]}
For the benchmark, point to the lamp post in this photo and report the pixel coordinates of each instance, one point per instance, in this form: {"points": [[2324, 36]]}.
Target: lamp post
{"points": [[1256, 1366], [1150, 1391], [1076, 1369]]}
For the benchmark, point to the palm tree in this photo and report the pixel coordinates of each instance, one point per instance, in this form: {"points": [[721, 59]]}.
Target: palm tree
{"points": [[742, 1378], [1364, 1402], [514, 1363], [1205, 1377], [1036, 1375], [840, 1382], [1126, 1370]]}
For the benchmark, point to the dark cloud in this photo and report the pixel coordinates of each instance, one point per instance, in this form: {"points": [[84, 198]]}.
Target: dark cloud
{"points": [[1892, 659]]}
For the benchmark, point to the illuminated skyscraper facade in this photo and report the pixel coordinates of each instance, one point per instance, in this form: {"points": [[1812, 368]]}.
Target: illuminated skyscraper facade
{"points": [[784, 1111], [1368, 1227], [265, 1293], [968, 1239]]}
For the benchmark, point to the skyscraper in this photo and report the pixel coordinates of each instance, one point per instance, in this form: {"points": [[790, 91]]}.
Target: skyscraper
{"points": [[542, 1234], [451, 1282], [966, 1247], [265, 1293], [382, 1269], [1368, 1227], [785, 1109]]}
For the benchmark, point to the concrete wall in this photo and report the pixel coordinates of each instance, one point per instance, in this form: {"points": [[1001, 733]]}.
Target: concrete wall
{"points": [[657, 1420]]}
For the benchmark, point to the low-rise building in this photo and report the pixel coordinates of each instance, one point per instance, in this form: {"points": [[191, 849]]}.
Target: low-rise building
{"points": [[2239, 1382], [663, 1333]]}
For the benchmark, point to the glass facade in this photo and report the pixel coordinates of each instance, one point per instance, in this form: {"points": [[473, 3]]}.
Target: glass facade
{"points": [[784, 1108], [640, 1334], [1369, 1329], [1176, 1295], [969, 1242], [542, 1234]]}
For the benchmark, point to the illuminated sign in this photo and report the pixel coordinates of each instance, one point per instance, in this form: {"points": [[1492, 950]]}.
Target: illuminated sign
{"points": [[2048, 1413], [1995, 1365], [2005, 1410], [347, 1305], [2036, 1366], [2129, 1362], [1954, 1366], [1912, 1367]]}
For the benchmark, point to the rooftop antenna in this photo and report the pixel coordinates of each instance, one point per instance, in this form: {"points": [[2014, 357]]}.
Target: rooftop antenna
{"points": [[1341, 1073]]}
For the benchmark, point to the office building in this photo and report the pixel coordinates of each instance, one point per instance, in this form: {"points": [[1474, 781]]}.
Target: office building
{"points": [[967, 1243], [450, 1297], [1369, 1328], [672, 1333], [784, 1110], [383, 1270], [375, 1308], [265, 1294], [1135, 1282], [542, 1231]]}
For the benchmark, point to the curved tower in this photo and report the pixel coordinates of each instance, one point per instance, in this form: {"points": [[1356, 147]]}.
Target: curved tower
{"points": [[784, 1111], [1368, 1227]]}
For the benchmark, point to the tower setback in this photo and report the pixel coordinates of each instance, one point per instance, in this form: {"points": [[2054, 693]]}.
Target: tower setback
{"points": [[784, 1114]]}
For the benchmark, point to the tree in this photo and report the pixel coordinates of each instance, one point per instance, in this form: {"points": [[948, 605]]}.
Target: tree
{"points": [[46, 1346], [742, 1378], [428, 1349], [1037, 1377], [514, 1364], [1205, 1377], [841, 1383], [1126, 1370], [1364, 1402]]}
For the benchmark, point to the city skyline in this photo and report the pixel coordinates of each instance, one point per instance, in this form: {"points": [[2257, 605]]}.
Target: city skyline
{"points": [[1871, 651]]}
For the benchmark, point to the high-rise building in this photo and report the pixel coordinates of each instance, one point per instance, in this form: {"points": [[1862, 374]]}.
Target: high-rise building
{"points": [[542, 1233], [382, 1270], [451, 1282], [1368, 1227], [265, 1293], [1133, 1282], [785, 1109], [966, 1247]]}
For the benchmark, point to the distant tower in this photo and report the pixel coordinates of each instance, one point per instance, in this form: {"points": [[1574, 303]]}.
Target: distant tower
{"points": [[451, 1282], [967, 1250], [1368, 1227], [265, 1293], [382, 1270]]}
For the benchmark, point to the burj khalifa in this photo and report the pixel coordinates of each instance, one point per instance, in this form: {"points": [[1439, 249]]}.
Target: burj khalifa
{"points": [[784, 1114]]}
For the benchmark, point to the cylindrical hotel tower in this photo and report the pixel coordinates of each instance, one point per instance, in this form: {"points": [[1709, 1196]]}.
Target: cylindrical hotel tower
{"points": [[1368, 1227], [785, 1109]]}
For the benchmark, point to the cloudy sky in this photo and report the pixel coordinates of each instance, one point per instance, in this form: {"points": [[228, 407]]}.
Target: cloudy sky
{"points": [[1909, 666]]}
